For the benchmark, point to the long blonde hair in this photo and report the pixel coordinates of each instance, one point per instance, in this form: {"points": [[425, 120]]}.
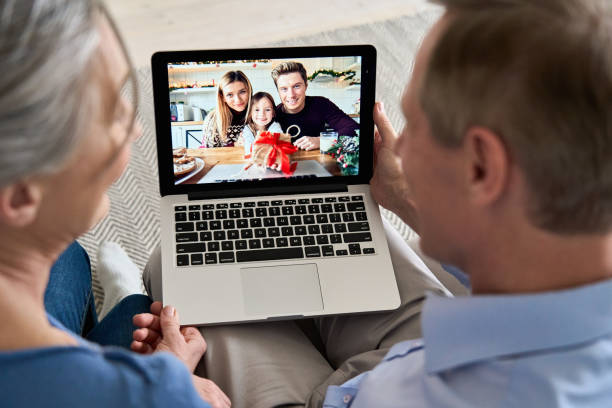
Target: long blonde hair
{"points": [[224, 114]]}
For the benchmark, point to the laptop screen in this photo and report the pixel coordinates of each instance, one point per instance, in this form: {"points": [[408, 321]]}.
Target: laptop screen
{"points": [[256, 119]]}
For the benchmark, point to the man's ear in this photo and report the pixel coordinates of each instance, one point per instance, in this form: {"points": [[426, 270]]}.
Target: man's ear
{"points": [[19, 203], [488, 164]]}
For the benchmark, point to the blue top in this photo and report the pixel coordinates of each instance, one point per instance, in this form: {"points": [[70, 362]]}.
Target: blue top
{"points": [[91, 376], [537, 350]]}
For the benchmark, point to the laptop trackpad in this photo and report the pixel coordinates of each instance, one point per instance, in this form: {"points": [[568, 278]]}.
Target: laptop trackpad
{"points": [[281, 290]]}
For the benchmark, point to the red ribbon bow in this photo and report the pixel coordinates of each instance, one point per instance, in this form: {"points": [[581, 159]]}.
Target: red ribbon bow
{"points": [[279, 148]]}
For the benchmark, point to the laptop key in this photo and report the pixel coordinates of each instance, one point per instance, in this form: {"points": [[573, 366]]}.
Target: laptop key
{"points": [[219, 235], [246, 233], [327, 229], [214, 225], [327, 250], [254, 244], [282, 221], [208, 207], [260, 233], [300, 230], [187, 248], [340, 228], [300, 209], [180, 217], [197, 259], [229, 224], [241, 244], [282, 242], [344, 198], [357, 237], [327, 208], [274, 211], [269, 254], [194, 207], [303, 201], [180, 208], [183, 226], [255, 222], [314, 229], [348, 217], [287, 210], [309, 240], [317, 200], [357, 198], [335, 238], [312, 251], [226, 257], [341, 252], [368, 250], [205, 236], [235, 205], [213, 246], [273, 232], [261, 212], [295, 220], [358, 226], [330, 199], [227, 246], [208, 215], [201, 225], [321, 219], [233, 234], [287, 231], [295, 241], [322, 240], [187, 237], [242, 223], [248, 212], [269, 222], [354, 249], [182, 260], [249, 204], [361, 216], [210, 258], [334, 218], [309, 219], [221, 214], [194, 216], [339, 207], [267, 242], [314, 209], [290, 202], [263, 203], [234, 213], [277, 202], [222, 205], [356, 206]]}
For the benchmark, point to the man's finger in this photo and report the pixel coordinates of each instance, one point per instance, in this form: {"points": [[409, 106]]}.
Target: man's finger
{"points": [[383, 124], [140, 347], [146, 336], [170, 326], [156, 308], [147, 320]]}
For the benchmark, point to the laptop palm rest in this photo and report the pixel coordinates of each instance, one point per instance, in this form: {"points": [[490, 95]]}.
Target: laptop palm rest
{"points": [[281, 290]]}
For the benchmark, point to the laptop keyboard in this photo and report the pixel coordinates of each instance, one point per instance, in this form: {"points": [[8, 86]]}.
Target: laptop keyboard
{"points": [[266, 230]]}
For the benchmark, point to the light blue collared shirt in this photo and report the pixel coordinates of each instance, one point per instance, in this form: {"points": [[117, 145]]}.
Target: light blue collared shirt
{"points": [[549, 349]]}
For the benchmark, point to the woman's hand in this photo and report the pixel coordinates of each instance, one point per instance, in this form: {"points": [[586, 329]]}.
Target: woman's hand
{"points": [[388, 184], [210, 392], [160, 331], [307, 143]]}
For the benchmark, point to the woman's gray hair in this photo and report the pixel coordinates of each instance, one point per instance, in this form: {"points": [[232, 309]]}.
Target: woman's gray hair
{"points": [[46, 47]]}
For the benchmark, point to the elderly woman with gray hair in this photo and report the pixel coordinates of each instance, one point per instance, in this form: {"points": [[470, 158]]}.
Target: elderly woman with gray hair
{"points": [[66, 125]]}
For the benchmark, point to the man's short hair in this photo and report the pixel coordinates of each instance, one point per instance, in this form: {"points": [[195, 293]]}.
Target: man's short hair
{"points": [[539, 74], [288, 68]]}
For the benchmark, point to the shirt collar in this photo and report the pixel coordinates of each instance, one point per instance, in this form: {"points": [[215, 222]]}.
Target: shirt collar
{"points": [[469, 329]]}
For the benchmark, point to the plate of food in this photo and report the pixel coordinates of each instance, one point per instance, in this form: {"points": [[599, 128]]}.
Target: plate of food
{"points": [[185, 166]]}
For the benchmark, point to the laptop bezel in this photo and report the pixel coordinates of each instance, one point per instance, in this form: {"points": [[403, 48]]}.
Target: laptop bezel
{"points": [[161, 98]]}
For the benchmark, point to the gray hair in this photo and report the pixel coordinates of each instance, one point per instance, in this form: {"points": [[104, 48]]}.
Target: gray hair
{"points": [[538, 73], [46, 47]]}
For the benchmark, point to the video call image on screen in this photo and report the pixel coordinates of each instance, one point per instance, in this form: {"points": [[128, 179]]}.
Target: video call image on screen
{"points": [[239, 120]]}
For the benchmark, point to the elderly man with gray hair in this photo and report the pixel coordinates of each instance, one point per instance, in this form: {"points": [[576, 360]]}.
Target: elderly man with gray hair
{"points": [[504, 168]]}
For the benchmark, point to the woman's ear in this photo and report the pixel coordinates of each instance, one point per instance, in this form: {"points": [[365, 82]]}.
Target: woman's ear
{"points": [[19, 203], [488, 164]]}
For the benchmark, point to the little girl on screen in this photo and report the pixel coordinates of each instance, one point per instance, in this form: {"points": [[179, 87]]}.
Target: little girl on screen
{"points": [[259, 118]]}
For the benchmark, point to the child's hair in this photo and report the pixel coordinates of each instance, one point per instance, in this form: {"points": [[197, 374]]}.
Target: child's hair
{"points": [[256, 98]]}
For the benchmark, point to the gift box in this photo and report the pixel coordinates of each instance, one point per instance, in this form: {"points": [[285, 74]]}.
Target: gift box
{"points": [[274, 148]]}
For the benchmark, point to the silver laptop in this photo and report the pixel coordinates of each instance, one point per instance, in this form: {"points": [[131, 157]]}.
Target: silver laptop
{"points": [[249, 243]]}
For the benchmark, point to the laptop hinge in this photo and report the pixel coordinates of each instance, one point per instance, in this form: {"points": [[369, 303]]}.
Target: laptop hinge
{"points": [[263, 191]]}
